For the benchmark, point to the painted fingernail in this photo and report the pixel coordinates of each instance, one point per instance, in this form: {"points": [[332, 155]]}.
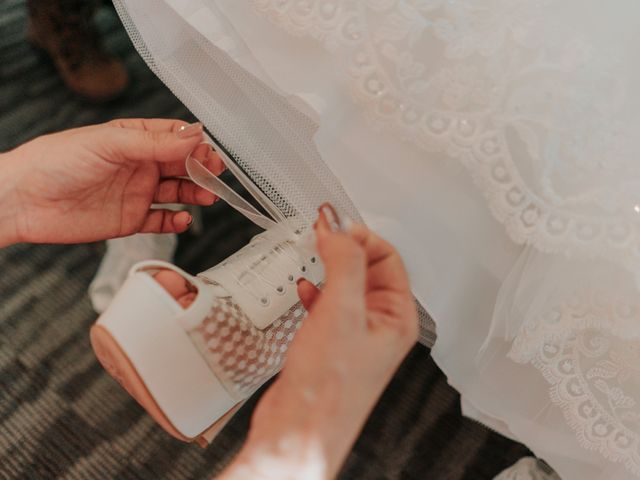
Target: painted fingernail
{"points": [[331, 216], [190, 130]]}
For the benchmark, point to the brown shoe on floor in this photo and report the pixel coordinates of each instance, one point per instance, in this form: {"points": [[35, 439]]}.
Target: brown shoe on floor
{"points": [[65, 31]]}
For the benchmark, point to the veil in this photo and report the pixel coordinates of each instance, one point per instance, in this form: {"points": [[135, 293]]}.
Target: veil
{"points": [[268, 133], [495, 143]]}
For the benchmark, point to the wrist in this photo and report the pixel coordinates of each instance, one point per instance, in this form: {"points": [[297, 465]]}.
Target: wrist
{"points": [[10, 207], [295, 433], [287, 457]]}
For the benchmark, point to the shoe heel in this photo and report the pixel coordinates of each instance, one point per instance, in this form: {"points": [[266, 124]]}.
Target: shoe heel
{"points": [[142, 344]]}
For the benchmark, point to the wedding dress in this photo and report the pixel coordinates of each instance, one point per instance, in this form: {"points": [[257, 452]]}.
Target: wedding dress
{"points": [[492, 141]]}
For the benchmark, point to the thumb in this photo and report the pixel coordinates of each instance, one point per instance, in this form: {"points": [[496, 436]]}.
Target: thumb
{"points": [[155, 145], [344, 260]]}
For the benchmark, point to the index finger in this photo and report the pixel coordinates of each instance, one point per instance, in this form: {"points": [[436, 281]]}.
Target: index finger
{"points": [[211, 161], [150, 124], [167, 169]]}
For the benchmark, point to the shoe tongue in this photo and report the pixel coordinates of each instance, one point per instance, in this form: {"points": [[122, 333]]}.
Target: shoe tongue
{"points": [[261, 278]]}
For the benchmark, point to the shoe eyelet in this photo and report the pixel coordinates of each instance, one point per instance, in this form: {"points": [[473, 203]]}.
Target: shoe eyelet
{"points": [[303, 269], [313, 260], [280, 290], [264, 301], [291, 278]]}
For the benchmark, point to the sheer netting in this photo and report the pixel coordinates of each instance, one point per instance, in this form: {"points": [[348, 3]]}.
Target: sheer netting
{"points": [[265, 134], [493, 142]]}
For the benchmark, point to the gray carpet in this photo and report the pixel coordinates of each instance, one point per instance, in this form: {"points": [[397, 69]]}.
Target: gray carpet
{"points": [[61, 416]]}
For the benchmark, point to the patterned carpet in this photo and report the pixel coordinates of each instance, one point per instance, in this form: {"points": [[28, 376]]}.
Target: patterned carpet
{"points": [[61, 416]]}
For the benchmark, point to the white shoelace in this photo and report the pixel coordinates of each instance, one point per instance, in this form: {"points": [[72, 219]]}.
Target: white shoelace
{"points": [[282, 235]]}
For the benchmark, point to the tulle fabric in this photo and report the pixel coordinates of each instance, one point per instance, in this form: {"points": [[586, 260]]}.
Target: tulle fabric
{"points": [[494, 143]]}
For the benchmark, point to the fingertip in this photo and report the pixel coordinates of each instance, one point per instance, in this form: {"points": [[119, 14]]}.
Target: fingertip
{"points": [[190, 131], [182, 221], [172, 282], [214, 162], [205, 197], [177, 145], [186, 300], [307, 292]]}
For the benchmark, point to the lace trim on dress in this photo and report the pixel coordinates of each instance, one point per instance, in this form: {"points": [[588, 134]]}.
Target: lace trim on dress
{"points": [[483, 81], [594, 378], [537, 113]]}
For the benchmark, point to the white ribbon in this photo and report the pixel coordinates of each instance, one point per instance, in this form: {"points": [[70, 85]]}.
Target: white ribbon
{"points": [[207, 180], [281, 236]]}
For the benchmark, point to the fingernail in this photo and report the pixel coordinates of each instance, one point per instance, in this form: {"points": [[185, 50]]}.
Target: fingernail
{"points": [[331, 216], [190, 221], [190, 130], [299, 280]]}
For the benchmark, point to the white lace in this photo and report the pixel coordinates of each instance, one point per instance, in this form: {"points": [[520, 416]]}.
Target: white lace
{"points": [[539, 111], [497, 85], [593, 378], [616, 315]]}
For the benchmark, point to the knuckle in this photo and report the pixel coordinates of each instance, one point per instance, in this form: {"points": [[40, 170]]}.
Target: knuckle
{"points": [[164, 190], [411, 330], [384, 244], [152, 136], [351, 247], [153, 140], [340, 247], [114, 123], [347, 256], [355, 252], [180, 190], [359, 232], [403, 311]]}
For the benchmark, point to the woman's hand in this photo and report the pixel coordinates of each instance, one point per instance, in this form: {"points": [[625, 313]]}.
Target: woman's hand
{"points": [[99, 182], [359, 328]]}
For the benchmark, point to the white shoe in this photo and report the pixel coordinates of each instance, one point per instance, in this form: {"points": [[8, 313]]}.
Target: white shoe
{"points": [[191, 368]]}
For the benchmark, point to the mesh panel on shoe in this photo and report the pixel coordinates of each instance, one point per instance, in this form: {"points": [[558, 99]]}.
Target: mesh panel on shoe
{"points": [[270, 139], [242, 356]]}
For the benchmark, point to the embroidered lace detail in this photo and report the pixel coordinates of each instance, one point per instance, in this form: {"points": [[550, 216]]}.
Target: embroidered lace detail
{"points": [[531, 108], [535, 105], [595, 380], [587, 348], [617, 313]]}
